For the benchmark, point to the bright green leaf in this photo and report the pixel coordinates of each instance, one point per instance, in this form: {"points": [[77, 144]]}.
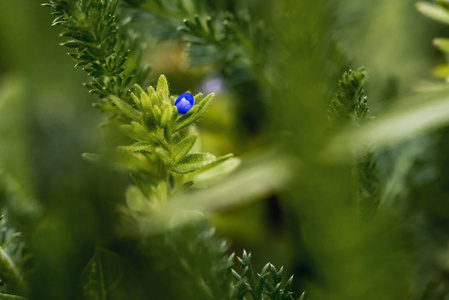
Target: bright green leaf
{"points": [[198, 97], [140, 130], [157, 115], [146, 102], [164, 155], [186, 119], [172, 100], [192, 162], [139, 146], [150, 91], [183, 147], [166, 114], [411, 117], [433, 11], [136, 99], [204, 103], [126, 108], [155, 99], [214, 172], [162, 85], [441, 71], [247, 184], [442, 44], [136, 200], [137, 89]]}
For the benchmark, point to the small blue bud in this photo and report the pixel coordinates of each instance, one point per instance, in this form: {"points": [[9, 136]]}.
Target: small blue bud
{"points": [[184, 103]]}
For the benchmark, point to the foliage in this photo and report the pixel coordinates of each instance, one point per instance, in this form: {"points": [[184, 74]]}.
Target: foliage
{"points": [[228, 35], [349, 103], [266, 285], [13, 259], [354, 206], [155, 127], [159, 160], [100, 46]]}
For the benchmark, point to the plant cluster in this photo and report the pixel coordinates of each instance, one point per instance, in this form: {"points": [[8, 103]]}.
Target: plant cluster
{"points": [[339, 194], [159, 156]]}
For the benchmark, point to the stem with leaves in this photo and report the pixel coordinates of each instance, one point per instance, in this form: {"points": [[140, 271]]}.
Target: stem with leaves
{"points": [[159, 155], [349, 105], [104, 48], [161, 141]]}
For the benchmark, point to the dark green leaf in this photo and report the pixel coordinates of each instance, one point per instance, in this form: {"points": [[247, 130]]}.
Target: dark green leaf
{"points": [[101, 275], [10, 297]]}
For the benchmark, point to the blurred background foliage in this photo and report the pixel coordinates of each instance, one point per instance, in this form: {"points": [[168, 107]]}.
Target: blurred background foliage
{"points": [[66, 207]]}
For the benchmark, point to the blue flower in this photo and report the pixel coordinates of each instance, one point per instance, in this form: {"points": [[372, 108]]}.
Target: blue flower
{"points": [[184, 103]]}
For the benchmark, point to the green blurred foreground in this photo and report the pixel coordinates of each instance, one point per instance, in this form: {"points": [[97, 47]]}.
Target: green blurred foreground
{"points": [[295, 199]]}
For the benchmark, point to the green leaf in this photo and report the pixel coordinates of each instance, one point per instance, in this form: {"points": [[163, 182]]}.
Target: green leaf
{"points": [[129, 132], [349, 102], [155, 99], [162, 85], [139, 146], [442, 44], [198, 97], [126, 108], [157, 115], [204, 104], [101, 275], [9, 271], [433, 11], [174, 115], [183, 147], [164, 155], [10, 297], [443, 3], [263, 277], [136, 100], [136, 200], [93, 157], [137, 89], [186, 119], [146, 102], [192, 162], [151, 91], [249, 183], [213, 172], [73, 44], [162, 89], [166, 114], [441, 71], [161, 191], [137, 132], [412, 116]]}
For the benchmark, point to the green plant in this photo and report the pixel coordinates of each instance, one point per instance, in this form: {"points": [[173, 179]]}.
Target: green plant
{"points": [[160, 161], [354, 205]]}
